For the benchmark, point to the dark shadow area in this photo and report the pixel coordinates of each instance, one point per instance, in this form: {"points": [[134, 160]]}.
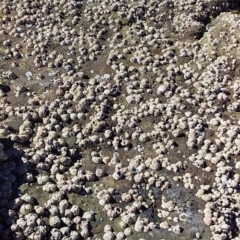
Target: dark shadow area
{"points": [[12, 174], [5, 88]]}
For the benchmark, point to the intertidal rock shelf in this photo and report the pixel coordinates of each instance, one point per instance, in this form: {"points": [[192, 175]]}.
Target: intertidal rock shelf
{"points": [[119, 119]]}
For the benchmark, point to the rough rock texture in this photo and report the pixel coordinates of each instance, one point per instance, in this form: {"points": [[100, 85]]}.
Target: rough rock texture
{"points": [[119, 119]]}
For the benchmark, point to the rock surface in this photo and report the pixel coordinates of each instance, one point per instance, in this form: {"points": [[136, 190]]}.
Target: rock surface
{"points": [[119, 119]]}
